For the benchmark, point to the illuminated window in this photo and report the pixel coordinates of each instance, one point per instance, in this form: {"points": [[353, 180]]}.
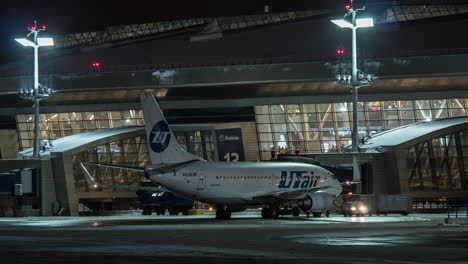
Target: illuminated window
{"points": [[327, 127]]}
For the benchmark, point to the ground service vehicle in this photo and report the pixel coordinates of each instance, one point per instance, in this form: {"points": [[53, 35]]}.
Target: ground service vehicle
{"points": [[353, 205], [160, 202]]}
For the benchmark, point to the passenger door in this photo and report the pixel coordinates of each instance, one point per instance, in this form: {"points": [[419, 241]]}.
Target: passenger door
{"points": [[201, 180]]}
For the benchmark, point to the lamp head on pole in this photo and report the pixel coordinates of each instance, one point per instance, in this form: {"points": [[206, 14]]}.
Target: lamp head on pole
{"points": [[40, 42], [360, 23]]}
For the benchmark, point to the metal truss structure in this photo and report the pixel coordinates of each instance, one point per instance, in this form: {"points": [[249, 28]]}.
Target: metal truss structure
{"points": [[438, 163], [118, 33], [408, 13]]}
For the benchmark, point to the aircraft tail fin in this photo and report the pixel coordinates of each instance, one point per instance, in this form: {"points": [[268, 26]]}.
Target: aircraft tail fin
{"points": [[162, 144]]}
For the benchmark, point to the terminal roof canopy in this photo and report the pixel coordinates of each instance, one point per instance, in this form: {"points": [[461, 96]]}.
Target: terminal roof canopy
{"points": [[88, 139], [404, 134]]}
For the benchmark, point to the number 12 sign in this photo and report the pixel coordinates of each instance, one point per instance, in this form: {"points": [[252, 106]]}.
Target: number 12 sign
{"points": [[230, 144]]}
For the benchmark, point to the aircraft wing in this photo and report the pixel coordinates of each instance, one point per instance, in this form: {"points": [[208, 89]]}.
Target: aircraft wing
{"points": [[95, 184], [284, 196], [115, 166]]}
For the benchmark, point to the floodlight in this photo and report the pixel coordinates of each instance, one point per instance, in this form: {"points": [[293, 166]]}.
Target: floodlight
{"points": [[45, 42], [365, 22], [25, 42], [360, 23], [42, 42], [342, 23]]}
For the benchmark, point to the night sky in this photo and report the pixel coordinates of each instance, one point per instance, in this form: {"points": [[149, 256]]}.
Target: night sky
{"points": [[72, 16]]}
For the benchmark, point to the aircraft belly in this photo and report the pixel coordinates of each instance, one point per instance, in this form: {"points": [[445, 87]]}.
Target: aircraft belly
{"points": [[224, 193]]}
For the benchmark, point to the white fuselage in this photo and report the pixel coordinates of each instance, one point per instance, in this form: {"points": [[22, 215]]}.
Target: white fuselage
{"points": [[232, 183]]}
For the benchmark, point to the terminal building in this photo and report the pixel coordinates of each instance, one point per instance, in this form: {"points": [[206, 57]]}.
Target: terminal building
{"points": [[266, 79]]}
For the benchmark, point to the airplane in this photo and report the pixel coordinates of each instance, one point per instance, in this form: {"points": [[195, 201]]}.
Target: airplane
{"points": [[279, 188]]}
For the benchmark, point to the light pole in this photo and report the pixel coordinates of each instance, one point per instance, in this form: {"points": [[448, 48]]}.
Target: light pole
{"points": [[356, 80], [39, 91]]}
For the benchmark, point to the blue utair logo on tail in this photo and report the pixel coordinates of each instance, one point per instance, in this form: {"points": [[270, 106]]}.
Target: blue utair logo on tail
{"points": [[160, 137]]}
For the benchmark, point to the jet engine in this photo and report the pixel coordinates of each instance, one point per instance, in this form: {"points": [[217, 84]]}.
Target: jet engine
{"points": [[316, 202]]}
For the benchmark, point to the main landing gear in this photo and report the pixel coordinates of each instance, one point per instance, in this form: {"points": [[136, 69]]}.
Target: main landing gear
{"points": [[275, 212], [223, 213], [270, 212]]}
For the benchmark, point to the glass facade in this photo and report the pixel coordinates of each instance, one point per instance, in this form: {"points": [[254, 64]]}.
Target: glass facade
{"points": [[131, 152], [199, 143], [439, 164], [58, 125], [327, 127]]}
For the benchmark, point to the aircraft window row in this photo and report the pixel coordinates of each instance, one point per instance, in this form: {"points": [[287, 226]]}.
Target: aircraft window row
{"points": [[242, 178]]}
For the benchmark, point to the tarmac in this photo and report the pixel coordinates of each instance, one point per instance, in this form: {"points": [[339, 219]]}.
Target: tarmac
{"points": [[246, 238]]}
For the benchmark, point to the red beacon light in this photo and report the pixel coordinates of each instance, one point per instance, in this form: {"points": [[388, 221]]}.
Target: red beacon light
{"points": [[96, 64], [340, 51], [348, 6], [43, 27]]}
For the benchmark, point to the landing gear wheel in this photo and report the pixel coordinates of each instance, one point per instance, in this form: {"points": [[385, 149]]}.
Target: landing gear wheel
{"points": [[227, 214], [266, 213], [270, 213], [296, 211], [276, 212], [327, 214], [222, 213], [317, 214], [185, 212]]}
